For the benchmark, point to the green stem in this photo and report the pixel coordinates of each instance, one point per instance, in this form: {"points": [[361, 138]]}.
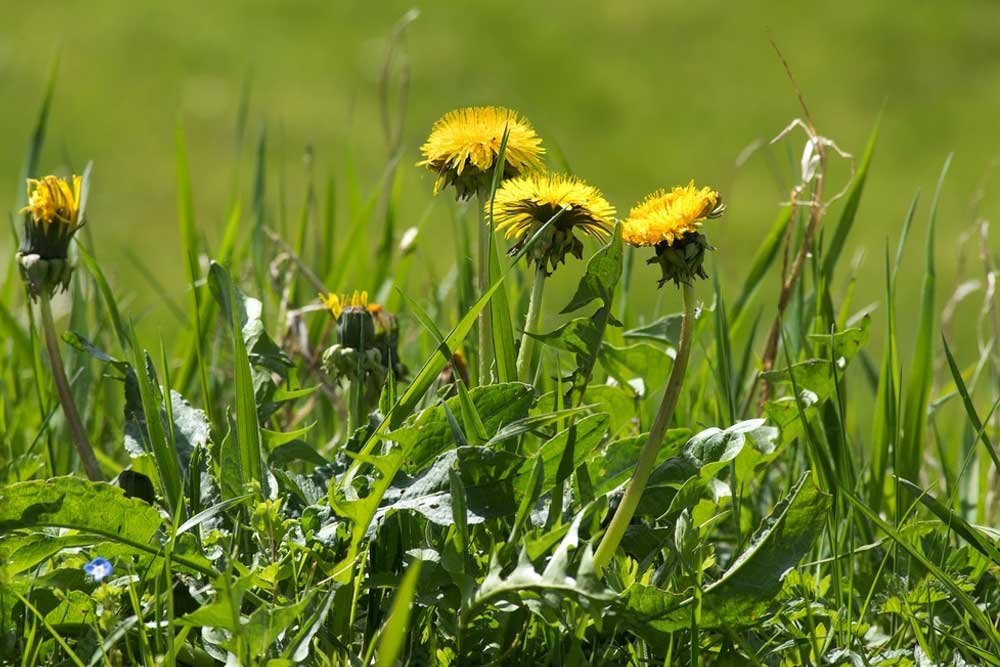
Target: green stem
{"points": [[76, 428], [647, 457], [525, 361], [485, 319]]}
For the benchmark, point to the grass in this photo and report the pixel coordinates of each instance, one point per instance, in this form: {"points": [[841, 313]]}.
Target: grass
{"points": [[283, 494]]}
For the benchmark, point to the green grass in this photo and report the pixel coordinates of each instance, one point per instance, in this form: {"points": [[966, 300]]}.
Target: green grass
{"points": [[279, 497]]}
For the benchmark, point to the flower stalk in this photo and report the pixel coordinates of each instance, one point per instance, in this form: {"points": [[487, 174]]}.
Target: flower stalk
{"points": [[647, 457], [77, 431], [532, 322]]}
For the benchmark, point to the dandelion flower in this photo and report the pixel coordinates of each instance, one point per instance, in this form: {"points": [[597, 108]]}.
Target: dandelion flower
{"points": [[99, 569], [671, 222], [668, 216], [464, 144], [526, 203]]}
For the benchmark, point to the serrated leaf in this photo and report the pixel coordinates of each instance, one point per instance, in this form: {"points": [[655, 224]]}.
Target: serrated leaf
{"points": [[743, 594]]}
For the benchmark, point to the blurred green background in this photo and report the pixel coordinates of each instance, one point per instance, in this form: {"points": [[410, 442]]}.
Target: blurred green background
{"points": [[637, 95]]}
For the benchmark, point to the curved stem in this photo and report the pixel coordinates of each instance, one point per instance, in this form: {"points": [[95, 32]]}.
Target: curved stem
{"points": [[76, 428], [647, 457], [525, 362]]}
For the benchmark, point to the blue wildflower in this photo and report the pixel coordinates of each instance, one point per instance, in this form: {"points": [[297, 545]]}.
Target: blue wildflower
{"points": [[99, 568]]}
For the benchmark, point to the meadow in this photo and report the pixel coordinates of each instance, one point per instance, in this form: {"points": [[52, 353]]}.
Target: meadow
{"points": [[500, 385]]}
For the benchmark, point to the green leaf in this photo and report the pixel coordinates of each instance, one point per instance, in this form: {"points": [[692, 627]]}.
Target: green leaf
{"points": [[584, 437], [666, 330], [604, 270], [247, 432], [641, 360], [563, 577], [814, 378], [90, 507], [77, 341], [20, 552], [611, 466], [164, 452], [742, 595], [392, 638], [485, 476], [428, 434]]}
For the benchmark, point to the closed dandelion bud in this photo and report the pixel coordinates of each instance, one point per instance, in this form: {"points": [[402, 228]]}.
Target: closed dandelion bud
{"points": [[355, 327], [671, 223], [51, 218], [525, 205], [464, 144]]}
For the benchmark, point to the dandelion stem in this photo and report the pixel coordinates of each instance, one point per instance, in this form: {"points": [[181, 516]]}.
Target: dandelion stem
{"points": [[76, 428], [525, 361], [485, 317], [647, 457]]}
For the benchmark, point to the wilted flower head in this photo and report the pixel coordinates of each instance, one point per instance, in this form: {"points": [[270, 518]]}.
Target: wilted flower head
{"points": [[524, 204], [51, 218], [355, 327], [671, 222], [464, 144], [99, 569]]}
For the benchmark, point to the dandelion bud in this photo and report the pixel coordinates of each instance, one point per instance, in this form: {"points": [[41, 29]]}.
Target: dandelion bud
{"points": [[355, 327], [51, 218]]}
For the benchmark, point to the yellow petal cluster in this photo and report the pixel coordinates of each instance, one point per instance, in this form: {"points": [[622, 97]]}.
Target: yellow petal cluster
{"points": [[52, 199], [337, 303], [667, 216], [466, 142], [528, 202]]}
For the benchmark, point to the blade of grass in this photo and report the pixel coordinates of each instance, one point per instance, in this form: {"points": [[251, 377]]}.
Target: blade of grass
{"points": [[970, 409], [392, 639], [762, 261], [851, 204], [921, 371]]}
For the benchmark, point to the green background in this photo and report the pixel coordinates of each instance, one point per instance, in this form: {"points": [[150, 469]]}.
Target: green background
{"points": [[638, 95]]}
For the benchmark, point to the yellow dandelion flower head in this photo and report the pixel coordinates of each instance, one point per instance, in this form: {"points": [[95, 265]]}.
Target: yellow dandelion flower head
{"points": [[524, 204], [464, 144], [53, 199], [528, 202], [666, 217], [337, 304]]}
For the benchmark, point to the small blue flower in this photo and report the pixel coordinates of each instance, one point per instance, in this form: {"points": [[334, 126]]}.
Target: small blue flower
{"points": [[99, 568]]}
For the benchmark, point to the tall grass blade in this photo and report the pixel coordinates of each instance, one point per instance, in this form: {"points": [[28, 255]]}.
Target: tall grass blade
{"points": [[921, 371]]}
